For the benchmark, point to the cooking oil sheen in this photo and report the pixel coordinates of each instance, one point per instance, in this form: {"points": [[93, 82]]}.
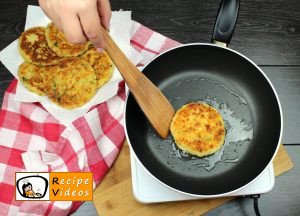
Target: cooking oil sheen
{"points": [[239, 130]]}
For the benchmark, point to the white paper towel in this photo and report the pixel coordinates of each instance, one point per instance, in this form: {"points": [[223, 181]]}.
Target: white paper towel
{"points": [[120, 32]]}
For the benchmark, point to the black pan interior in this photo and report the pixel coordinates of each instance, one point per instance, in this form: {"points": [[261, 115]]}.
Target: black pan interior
{"points": [[227, 81]]}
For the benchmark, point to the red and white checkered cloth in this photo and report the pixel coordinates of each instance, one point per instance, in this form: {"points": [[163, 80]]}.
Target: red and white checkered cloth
{"points": [[31, 140]]}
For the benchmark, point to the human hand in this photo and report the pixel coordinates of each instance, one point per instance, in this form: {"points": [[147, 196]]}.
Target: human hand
{"points": [[79, 20]]}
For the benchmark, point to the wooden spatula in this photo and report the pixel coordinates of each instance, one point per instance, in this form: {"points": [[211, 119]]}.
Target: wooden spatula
{"points": [[153, 103]]}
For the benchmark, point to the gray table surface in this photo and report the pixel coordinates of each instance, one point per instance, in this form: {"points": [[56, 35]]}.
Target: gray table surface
{"points": [[267, 31]]}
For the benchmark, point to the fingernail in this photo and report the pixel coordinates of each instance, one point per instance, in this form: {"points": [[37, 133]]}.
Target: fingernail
{"points": [[100, 50]]}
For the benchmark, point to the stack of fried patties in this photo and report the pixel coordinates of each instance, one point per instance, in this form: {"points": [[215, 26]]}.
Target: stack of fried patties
{"points": [[69, 74]]}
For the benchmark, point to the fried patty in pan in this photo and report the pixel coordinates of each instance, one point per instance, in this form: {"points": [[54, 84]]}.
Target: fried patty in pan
{"points": [[198, 129]]}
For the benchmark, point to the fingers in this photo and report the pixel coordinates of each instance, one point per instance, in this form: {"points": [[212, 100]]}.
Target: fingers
{"points": [[65, 18], [72, 29], [104, 13], [79, 20], [90, 22], [44, 4]]}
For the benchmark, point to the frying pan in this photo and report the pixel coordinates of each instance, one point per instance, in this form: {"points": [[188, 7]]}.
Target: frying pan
{"points": [[237, 88]]}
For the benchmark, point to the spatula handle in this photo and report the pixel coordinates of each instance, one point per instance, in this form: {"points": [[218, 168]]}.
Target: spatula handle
{"points": [[127, 69], [147, 95]]}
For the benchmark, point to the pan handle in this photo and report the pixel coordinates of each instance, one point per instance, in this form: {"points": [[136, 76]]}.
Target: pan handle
{"points": [[225, 22]]}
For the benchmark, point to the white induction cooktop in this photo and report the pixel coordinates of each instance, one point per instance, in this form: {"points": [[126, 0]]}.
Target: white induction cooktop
{"points": [[147, 189]]}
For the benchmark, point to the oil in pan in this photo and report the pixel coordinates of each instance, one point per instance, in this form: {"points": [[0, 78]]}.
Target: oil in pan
{"points": [[238, 124]]}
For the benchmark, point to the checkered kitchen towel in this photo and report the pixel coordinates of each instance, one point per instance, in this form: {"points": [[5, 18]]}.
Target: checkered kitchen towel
{"points": [[32, 140]]}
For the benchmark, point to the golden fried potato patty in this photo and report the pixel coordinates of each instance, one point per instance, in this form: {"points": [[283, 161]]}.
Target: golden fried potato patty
{"points": [[102, 65], [69, 74], [33, 47], [73, 83], [59, 44], [198, 129], [32, 78]]}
